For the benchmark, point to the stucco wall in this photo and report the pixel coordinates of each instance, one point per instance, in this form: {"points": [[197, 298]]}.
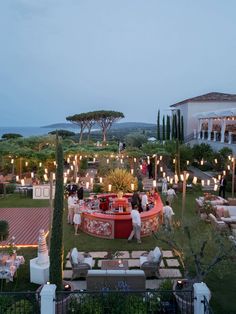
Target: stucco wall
{"points": [[188, 110]]}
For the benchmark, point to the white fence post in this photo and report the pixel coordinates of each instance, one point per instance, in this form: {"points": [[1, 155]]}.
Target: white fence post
{"points": [[47, 299], [200, 291]]}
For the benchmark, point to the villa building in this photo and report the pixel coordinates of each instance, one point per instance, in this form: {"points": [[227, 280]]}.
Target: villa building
{"points": [[209, 118]]}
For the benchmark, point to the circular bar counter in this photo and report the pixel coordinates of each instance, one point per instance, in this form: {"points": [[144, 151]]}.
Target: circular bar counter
{"points": [[119, 225]]}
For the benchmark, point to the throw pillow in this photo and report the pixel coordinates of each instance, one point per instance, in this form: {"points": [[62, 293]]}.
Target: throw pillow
{"points": [[80, 258], [157, 254], [74, 255], [220, 212], [150, 256], [226, 213]]}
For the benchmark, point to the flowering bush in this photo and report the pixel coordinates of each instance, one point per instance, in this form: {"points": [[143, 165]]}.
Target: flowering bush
{"points": [[208, 208]]}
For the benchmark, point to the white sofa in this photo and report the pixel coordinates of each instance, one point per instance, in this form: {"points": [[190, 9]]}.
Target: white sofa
{"points": [[231, 210]]}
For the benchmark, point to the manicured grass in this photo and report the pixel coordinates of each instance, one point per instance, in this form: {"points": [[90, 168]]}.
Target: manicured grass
{"points": [[222, 281]]}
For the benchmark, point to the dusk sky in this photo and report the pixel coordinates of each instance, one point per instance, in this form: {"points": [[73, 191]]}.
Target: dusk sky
{"points": [[62, 57]]}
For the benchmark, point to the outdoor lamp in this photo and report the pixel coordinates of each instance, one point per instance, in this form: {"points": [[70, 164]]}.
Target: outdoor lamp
{"points": [[65, 180], [135, 159], [94, 159], [40, 164], [195, 180], [180, 284], [107, 161], [87, 185], [53, 176], [164, 174], [187, 162], [132, 186], [71, 167], [32, 175], [160, 157], [67, 287], [174, 161], [182, 177], [203, 183], [26, 163], [161, 169], [80, 157], [77, 180], [216, 161], [132, 171], [224, 173], [45, 177], [228, 167], [17, 178], [68, 160], [12, 161], [201, 162], [100, 179], [208, 182], [22, 181], [219, 176], [171, 180], [109, 187], [215, 187], [154, 183]]}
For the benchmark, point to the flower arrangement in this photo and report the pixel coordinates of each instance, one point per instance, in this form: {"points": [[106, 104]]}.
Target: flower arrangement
{"points": [[208, 208], [12, 248]]}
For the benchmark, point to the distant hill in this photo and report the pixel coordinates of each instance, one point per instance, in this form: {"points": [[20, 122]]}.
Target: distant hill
{"points": [[120, 125]]}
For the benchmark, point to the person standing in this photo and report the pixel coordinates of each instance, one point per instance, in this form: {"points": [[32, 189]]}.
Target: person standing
{"points": [[170, 195], [77, 220], [71, 201], [167, 215], [80, 193], [144, 201], [136, 223], [223, 183], [135, 200]]}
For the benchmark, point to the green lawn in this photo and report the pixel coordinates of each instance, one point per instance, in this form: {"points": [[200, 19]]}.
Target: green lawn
{"points": [[222, 281]]}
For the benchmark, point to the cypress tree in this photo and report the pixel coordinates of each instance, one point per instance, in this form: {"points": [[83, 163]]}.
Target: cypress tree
{"points": [[168, 127], [174, 127], [178, 126], [56, 244], [158, 126], [182, 128], [163, 129]]}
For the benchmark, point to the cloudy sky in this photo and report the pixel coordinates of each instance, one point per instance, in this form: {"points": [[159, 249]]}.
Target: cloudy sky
{"points": [[61, 57]]}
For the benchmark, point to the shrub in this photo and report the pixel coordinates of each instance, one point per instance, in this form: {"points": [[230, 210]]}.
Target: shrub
{"points": [[120, 180], [4, 230]]}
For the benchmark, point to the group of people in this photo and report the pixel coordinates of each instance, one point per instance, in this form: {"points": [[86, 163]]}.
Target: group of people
{"points": [[141, 204]]}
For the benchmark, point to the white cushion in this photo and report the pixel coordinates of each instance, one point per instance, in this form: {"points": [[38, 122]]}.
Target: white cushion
{"points": [[80, 258], [74, 255], [150, 256], [88, 260], [157, 254], [142, 259]]}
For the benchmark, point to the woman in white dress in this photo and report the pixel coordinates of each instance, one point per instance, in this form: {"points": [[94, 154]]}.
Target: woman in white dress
{"points": [[77, 220]]}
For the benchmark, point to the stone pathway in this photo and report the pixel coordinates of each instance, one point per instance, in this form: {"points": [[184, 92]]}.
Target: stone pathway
{"points": [[169, 267]]}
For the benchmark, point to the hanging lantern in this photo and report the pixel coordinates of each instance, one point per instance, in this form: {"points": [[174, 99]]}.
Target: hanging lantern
{"points": [[26, 163], [161, 169], [132, 171], [171, 180], [174, 161], [202, 162], [22, 181], [109, 187], [164, 174], [65, 180], [182, 177], [215, 187], [160, 157], [80, 157], [17, 178], [132, 186], [45, 177], [203, 182], [68, 160], [87, 185], [12, 161], [32, 175], [208, 182], [40, 164], [53, 176], [194, 180], [107, 161], [216, 161], [154, 183], [187, 162], [100, 179], [77, 180], [135, 159]]}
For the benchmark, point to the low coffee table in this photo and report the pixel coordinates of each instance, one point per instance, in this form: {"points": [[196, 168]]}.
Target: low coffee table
{"points": [[115, 264]]}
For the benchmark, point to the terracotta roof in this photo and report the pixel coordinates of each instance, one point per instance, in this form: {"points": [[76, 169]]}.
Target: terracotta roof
{"points": [[208, 97]]}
